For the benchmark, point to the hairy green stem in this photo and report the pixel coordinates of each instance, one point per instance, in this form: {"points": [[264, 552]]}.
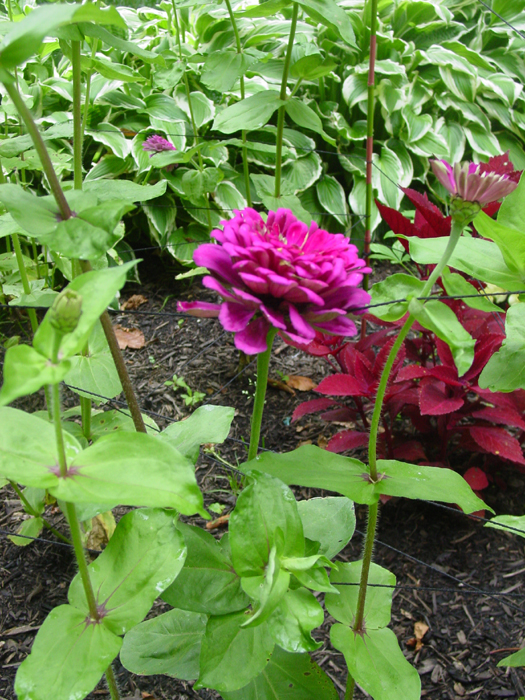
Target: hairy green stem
{"points": [[455, 234], [350, 687], [77, 115], [245, 165], [112, 683], [29, 508], [263, 362], [282, 110]]}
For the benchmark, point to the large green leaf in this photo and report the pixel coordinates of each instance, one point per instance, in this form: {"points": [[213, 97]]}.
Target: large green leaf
{"points": [[223, 68], [94, 375], [329, 13], [125, 189], [329, 521], [439, 318], [248, 114], [232, 655], [399, 289], [69, 655], [267, 590], [265, 507], [27, 371], [97, 289], [378, 604], [288, 676], [169, 644], [510, 241], [133, 469], [332, 198], [305, 117], [377, 664], [505, 371], [512, 211], [206, 424], [36, 215], [456, 285], [208, 582], [478, 258], [313, 467], [27, 449], [426, 483], [144, 555], [291, 623]]}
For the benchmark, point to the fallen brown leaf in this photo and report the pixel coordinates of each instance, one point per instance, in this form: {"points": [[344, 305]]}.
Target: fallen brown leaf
{"points": [[129, 337], [304, 442], [420, 629], [134, 302], [322, 441], [277, 384], [296, 381]]}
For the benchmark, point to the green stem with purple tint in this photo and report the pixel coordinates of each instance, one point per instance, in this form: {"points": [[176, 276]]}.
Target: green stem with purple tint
{"points": [[455, 234], [263, 363]]}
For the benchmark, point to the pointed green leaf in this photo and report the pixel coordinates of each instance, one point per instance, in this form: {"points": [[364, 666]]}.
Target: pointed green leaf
{"points": [[505, 371], [69, 655], [264, 507], [208, 582], [133, 469], [510, 241], [125, 189], [208, 424], [377, 664], [169, 644], [329, 13], [313, 467], [332, 197], [267, 590], [329, 521], [32, 527], [512, 210], [297, 614], [288, 676], [144, 555], [305, 117], [457, 285], [232, 655], [517, 659], [398, 289], [378, 604], [248, 114], [223, 68], [503, 522], [27, 371]]}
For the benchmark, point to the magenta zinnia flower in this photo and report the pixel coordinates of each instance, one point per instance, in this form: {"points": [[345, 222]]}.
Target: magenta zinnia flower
{"points": [[281, 273], [481, 183], [157, 144]]}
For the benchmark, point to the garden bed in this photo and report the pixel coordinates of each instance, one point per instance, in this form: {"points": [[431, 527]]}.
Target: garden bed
{"points": [[468, 632]]}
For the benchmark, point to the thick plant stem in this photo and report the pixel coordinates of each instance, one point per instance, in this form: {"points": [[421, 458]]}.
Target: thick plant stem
{"points": [[455, 234], [263, 362], [370, 133], [245, 165], [282, 110], [38, 142], [112, 683], [25, 281], [77, 115], [29, 508]]}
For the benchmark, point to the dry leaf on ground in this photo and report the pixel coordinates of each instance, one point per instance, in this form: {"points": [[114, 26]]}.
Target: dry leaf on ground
{"points": [[129, 337], [420, 629], [277, 384], [295, 381], [134, 302]]}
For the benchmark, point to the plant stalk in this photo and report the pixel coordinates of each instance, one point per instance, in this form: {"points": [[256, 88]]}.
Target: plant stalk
{"points": [[283, 96], [112, 683], [245, 165], [455, 234], [263, 362], [35, 514], [77, 115]]}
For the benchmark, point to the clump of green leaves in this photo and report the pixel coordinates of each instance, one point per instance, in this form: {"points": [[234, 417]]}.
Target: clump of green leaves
{"points": [[189, 396]]}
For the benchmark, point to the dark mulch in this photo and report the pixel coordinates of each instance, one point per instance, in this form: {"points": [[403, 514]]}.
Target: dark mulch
{"points": [[468, 632]]}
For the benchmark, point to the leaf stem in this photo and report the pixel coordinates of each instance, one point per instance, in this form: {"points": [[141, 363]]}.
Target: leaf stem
{"points": [[77, 115], [455, 234], [263, 362], [35, 513], [245, 166], [283, 96]]}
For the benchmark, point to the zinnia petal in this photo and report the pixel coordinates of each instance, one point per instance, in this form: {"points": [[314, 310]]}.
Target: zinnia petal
{"points": [[203, 309], [252, 340]]}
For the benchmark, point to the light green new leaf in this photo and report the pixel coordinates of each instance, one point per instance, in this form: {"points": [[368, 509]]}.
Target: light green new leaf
{"points": [[232, 655], [208, 424], [248, 114], [223, 68], [304, 116], [396, 289], [68, 657], [32, 527], [208, 582], [264, 508], [313, 467], [116, 42], [329, 13], [133, 469], [300, 174], [36, 215], [426, 483], [457, 285], [169, 644], [378, 605], [512, 211], [329, 521], [376, 662], [125, 189], [503, 522], [292, 622], [477, 257], [332, 198], [27, 371], [517, 659], [510, 241], [267, 591], [77, 237], [439, 318], [505, 371], [27, 449], [144, 556], [97, 289], [288, 676], [387, 177]]}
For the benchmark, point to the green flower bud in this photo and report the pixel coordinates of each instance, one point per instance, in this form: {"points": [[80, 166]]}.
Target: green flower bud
{"points": [[463, 211], [66, 311]]}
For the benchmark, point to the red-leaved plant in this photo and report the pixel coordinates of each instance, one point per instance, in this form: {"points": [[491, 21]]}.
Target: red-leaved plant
{"points": [[430, 415]]}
